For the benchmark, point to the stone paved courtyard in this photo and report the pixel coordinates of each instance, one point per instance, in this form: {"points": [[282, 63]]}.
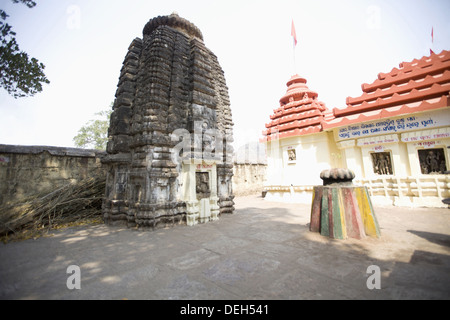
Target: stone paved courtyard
{"points": [[264, 251]]}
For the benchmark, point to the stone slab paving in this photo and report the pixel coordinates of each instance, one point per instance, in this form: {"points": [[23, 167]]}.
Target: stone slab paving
{"points": [[264, 251]]}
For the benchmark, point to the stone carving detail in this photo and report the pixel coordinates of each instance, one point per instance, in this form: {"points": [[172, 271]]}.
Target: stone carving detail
{"points": [[292, 155], [169, 81], [382, 163], [432, 161], [202, 185]]}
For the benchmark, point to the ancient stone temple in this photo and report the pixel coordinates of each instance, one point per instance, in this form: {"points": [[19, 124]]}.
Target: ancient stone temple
{"points": [[169, 151]]}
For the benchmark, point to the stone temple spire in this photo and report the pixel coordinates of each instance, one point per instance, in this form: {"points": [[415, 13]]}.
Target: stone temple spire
{"points": [[171, 90]]}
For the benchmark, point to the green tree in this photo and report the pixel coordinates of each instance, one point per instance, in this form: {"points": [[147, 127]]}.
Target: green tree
{"points": [[94, 134], [20, 75]]}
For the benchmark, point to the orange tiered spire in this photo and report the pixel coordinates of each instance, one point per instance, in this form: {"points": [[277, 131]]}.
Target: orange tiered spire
{"points": [[299, 113]]}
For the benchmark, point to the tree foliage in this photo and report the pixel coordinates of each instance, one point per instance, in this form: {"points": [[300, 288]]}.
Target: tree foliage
{"points": [[20, 75], [94, 134]]}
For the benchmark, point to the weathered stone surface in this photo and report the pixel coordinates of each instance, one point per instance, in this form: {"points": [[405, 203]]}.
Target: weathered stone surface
{"points": [[169, 81], [248, 178], [29, 170], [337, 176]]}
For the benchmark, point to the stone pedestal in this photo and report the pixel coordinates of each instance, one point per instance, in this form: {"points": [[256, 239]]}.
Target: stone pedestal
{"points": [[341, 210]]}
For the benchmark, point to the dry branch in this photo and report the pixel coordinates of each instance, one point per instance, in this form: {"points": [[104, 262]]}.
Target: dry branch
{"points": [[65, 205]]}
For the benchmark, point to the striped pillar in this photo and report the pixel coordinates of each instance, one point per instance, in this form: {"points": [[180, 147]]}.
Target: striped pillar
{"points": [[340, 212]]}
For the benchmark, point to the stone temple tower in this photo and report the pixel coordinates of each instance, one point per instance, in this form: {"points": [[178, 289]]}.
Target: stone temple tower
{"points": [[169, 150]]}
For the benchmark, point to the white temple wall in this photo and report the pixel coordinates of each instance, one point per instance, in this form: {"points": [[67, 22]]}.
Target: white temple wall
{"points": [[404, 184], [294, 166], [408, 184]]}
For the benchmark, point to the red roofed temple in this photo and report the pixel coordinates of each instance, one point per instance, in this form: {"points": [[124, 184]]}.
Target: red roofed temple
{"points": [[395, 137]]}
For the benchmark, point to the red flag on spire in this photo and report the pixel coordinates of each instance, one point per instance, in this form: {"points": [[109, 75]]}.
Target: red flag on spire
{"points": [[293, 34]]}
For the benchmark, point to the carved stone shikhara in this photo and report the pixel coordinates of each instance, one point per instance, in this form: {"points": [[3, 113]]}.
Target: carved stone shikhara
{"points": [[171, 90]]}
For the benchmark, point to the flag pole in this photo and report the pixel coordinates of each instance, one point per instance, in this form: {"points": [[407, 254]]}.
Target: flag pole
{"points": [[295, 63]]}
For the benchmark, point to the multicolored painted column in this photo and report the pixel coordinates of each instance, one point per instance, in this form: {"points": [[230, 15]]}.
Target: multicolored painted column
{"points": [[341, 210]]}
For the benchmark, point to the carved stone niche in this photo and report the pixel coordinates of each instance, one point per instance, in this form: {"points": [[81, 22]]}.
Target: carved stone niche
{"points": [[432, 161], [382, 163], [199, 182], [202, 186], [292, 155]]}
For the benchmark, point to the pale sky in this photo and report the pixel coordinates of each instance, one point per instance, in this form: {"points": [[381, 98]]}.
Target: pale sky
{"points": [[341, 44]]}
